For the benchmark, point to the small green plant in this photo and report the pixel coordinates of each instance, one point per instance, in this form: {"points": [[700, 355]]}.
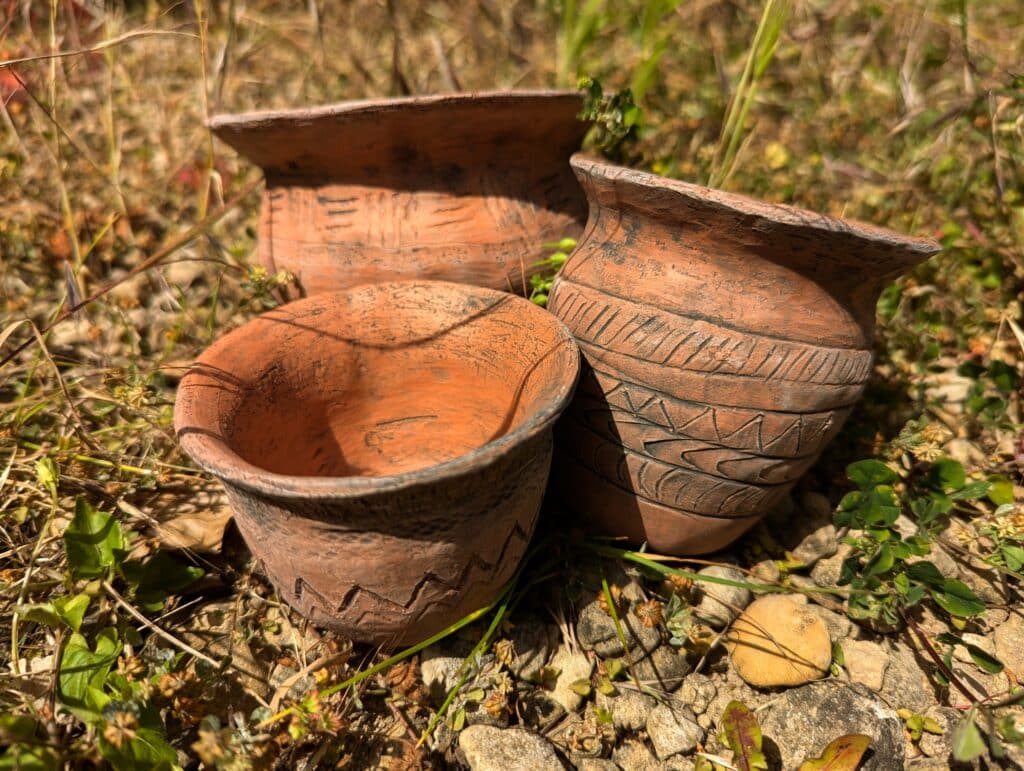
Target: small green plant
{"points": [[98, 681], [884, 569], [918, 725], [541, 283], [616, 117], [261, 285], [1005, 530]]}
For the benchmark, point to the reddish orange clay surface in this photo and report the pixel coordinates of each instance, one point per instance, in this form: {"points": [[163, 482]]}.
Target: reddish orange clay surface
{"points": [[385, 448], [463, 187], [725, 340]]}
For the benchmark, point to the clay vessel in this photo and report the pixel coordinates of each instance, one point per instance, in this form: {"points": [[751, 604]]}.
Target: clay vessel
{"points": [[724, 340], [463, 187], [385, 448]]}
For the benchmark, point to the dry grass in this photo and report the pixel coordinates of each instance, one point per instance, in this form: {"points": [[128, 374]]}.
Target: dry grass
{"points": [[899, 112]]}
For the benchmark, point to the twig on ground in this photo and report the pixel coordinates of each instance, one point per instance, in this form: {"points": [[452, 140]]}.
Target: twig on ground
{"points": [[157, 630]]}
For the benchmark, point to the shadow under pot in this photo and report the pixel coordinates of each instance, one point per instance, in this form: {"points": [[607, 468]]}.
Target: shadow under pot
{"points": [[462, 187], [385, 449], [725, 340]]}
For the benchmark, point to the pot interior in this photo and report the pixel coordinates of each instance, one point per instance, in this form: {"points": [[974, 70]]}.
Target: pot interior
{"points": [[378, 381]]}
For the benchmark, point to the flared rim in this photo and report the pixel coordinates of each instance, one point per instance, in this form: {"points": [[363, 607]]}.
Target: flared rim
{"points": [[359, 108], [213, 454], [777, 213]]}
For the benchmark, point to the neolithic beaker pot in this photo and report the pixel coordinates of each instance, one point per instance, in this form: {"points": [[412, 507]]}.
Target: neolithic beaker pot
{"points": [[385, 448], [462, 187], [725, 340]]}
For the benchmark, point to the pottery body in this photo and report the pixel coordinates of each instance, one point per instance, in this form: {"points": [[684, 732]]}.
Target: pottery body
{"points": [[725, 341], [385, 448], [464, 188]]}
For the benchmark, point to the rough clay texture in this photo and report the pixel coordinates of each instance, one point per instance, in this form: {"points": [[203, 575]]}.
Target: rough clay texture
{"points": [[513, 749], [802, 721], [385, 448], [778, 642], [725, 342], [464, 187]]}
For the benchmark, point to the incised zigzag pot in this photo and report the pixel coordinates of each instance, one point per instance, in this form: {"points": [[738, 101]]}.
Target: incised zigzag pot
{"points": [[385, 448], [463, 187], [724, 340]]}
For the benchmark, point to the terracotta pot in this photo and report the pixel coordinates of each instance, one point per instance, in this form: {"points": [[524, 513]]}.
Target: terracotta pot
{"points": [[725, 341], [464, 187], [385, 448]]}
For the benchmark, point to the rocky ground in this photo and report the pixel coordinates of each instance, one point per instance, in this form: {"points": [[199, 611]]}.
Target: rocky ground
{"points": [[562, 687], [808, 673]]}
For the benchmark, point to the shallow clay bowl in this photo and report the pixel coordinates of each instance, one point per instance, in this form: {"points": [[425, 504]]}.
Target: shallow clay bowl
{"points": [[385, 448], [458, 187]]}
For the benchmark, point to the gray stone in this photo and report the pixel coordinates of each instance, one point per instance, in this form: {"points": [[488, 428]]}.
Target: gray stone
{"points": [[943, 561], [673, 729], [538, 710], [1009, 643], [865, 662], [950, 389], [993, 617], [939, 745], [987, 644], [629, 708], [633, 755], [826, 571], [679, 763], [720, 604], [816, 533], [595, 764], [765, 572], [664, 669], [696, 692], [802, 722], [811, 592], [595, 631], [839, 625], [440, 675], [533, 643], [905, 684], [571, 668], [507, 749]]}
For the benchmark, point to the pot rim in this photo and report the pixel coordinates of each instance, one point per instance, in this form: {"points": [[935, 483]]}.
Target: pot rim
{"points": [[356, 109], [213, 454], [780, 213]]}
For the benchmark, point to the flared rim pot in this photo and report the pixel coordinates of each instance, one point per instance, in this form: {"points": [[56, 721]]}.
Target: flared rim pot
{"points": [[406, 497], [200, 437], [458, 187], [725, 341]]}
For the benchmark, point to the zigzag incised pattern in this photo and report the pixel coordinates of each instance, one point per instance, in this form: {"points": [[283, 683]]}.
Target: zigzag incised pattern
{"points": [[721, 460], [767, 433]]}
